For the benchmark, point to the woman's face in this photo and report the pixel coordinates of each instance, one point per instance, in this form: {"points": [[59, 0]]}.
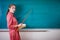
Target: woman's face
{"points": [[12, 9]]}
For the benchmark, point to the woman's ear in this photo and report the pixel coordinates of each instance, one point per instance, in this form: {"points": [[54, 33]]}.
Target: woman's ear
{"points": [[9, 8]]}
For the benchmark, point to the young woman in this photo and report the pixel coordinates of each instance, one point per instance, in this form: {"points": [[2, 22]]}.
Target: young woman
{"points": [[12, 23]]}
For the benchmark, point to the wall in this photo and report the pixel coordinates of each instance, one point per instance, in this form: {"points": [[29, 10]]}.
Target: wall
{"points": [[52, 34]]}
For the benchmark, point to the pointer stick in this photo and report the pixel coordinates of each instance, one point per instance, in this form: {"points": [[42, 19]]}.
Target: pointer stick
{"points": [[25, 17]]}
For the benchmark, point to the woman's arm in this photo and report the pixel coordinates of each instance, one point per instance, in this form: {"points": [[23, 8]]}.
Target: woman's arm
{"points": [[9, 22]]}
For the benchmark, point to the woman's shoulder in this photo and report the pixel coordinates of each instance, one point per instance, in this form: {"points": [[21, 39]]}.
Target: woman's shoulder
{"points": [[9, 14]]}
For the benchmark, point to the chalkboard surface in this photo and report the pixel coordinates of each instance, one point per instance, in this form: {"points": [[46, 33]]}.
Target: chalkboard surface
{"points": [[45, 13]]}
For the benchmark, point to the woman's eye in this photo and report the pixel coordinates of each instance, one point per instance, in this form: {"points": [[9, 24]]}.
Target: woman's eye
{"points": [[12, 8]]}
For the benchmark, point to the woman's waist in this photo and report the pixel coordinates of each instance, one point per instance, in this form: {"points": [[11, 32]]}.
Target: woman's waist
{"points": [[13, 30]]}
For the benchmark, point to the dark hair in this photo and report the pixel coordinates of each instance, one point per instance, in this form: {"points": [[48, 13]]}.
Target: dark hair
{"points": [[10, 7]]}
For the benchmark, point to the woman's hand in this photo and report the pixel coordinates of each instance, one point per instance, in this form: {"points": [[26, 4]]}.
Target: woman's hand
{"points": [[16, 26], [21, 25]]}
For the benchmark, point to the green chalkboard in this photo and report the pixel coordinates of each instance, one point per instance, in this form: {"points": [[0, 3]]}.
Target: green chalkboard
{"points": [[45, 13]]}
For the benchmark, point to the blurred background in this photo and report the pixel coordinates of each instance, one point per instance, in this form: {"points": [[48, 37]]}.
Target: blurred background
{"points": [[43, 22]]}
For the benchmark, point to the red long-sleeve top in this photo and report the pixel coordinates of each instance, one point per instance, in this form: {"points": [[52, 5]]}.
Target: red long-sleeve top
{"points": [[11, 21]]}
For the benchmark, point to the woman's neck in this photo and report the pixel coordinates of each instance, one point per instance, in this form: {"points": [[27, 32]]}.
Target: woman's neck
{"points": [[11, 11]]}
